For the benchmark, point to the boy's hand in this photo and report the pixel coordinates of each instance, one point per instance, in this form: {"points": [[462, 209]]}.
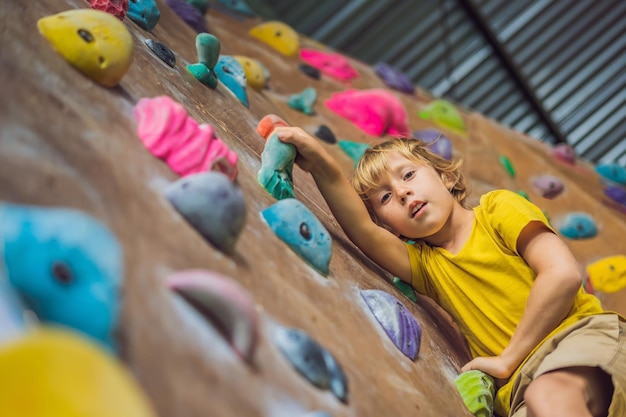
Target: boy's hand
{"points": [[496, 366], [311, 155]]}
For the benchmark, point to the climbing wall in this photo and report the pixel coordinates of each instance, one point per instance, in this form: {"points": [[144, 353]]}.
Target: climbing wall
{"points": [[66, 141]]}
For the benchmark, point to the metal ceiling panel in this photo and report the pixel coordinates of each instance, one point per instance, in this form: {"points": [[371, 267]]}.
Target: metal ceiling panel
{"points": [[570, 56]]}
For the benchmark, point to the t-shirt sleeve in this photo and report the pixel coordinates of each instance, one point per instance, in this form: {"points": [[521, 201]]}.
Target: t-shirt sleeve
{"points": [[509, 214], [419, 278]]}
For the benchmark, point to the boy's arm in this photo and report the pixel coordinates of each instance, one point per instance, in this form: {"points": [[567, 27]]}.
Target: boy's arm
{"points": [[551, 298], [378, 244]]}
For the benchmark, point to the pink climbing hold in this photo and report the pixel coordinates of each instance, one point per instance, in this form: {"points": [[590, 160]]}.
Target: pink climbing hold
{"points": [[331, 64], [564, 153], [117, 8], [227, 303], [172, 135], [375, 111]]}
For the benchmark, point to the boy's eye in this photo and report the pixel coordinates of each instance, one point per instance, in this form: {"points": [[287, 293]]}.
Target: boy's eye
{"points": [[407, 175], [384, 198]]}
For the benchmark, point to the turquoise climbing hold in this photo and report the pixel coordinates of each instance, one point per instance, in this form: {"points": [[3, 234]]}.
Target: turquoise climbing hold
{"points": [[355, 150], [477, 391], [578, 226], [303, 101], [612, 172], [145, 13], [208, 50], [201, 5], [276, 170], [203, 74], [405, 288]]}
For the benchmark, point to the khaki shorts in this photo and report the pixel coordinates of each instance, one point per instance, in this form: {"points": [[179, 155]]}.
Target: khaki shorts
{"points": [[598, 340]]}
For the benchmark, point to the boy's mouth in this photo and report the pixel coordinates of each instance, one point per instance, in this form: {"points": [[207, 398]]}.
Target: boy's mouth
{"points": [[415, 208]]}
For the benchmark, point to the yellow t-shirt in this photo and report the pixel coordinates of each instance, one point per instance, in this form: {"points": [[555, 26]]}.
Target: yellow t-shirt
{"points": [[485, 286]]}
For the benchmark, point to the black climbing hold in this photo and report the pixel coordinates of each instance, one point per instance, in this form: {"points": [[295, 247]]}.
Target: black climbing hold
{"points": [[324, 133], [310, 71], [162, 52]]}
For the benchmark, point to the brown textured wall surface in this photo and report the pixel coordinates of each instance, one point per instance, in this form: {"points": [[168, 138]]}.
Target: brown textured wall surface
{"points": [[66, 141]]}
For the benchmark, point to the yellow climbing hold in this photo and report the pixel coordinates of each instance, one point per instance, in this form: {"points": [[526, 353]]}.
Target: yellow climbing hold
{"points": [[608, 274], [96, 43], [55, 372], [255, 73], [278, 35]]}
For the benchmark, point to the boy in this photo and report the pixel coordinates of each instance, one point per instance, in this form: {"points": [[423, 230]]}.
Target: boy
{"points": [[499, 270]]}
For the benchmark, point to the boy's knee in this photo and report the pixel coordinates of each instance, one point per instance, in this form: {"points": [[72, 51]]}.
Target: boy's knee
{"points": [[568, 392]]}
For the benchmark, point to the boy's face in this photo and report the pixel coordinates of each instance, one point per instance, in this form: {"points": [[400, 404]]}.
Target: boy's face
{"points": [[412, 199]]}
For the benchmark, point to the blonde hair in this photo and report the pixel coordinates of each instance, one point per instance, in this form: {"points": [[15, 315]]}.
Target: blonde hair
{"points": [[373, 164]]}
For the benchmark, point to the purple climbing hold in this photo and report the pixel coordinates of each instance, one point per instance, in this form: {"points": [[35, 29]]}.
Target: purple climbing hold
{"points": [[549, 186], [437, 142], [616, 193], [394, 78], [401, 327], [190, 14]]}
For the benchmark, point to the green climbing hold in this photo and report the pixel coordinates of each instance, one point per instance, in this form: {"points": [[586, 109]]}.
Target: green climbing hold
{"points": [[524, 194], [355, 150], [508, 165], [477, 391], [405, 288], [444, 114]]}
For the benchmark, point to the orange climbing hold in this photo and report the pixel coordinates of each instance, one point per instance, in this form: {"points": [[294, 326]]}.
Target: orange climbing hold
{"points": [[268, 123]]}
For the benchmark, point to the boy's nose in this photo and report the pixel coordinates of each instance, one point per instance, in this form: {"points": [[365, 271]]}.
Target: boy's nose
{"points": [[404, 193]]}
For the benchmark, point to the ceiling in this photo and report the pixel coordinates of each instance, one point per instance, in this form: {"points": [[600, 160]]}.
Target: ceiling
{"points": [[555, 70]]}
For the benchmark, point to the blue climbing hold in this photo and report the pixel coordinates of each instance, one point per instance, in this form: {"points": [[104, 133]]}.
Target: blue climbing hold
{"points": [[145, 13], [612, 172], [298, 227], [230, 72], [65, 265]]}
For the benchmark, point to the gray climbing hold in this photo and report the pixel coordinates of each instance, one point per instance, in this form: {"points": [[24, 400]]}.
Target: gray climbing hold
{"points": [[313, 362], [212, 204]]}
